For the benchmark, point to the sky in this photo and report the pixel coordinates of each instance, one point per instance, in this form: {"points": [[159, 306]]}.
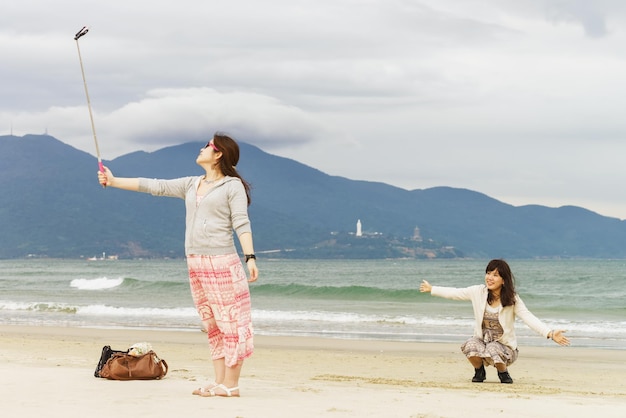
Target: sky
{"points": [[522, 100]]}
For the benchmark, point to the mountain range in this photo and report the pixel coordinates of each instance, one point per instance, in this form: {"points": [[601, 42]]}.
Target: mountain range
{"points": [[52, 206]]}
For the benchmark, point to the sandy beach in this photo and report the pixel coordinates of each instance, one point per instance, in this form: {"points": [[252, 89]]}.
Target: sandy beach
{"points": [[47, 371]]}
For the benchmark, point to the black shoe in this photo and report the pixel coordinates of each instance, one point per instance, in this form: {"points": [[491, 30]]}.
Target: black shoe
{"points": [[505, 377], [479, 374]]}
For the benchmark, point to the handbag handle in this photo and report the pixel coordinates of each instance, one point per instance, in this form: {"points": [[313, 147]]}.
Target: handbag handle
{"points": [[164, 366]]}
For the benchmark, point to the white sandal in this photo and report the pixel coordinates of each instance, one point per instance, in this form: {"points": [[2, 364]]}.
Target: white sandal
{"points": [[205, 389], [228, 392]]}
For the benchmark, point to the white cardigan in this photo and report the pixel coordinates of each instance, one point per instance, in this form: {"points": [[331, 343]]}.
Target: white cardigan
{"points": [[478, 295]]}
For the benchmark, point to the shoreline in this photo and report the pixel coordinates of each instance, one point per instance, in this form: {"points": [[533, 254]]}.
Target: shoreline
{"points": [[49, 371]]}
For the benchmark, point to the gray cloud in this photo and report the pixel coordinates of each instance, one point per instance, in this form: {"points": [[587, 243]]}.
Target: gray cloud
{"points": [[508, 98], [588, 14]]}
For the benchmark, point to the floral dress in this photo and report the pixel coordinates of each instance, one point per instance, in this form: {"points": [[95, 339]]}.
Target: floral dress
{"points": [[489, 348]]}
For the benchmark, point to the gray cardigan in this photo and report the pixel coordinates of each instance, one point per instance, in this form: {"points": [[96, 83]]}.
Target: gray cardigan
{"points": [[209, 224]]}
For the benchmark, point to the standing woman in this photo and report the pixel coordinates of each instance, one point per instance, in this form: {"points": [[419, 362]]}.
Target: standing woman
{"points": [[496, 305], [216, 204]]}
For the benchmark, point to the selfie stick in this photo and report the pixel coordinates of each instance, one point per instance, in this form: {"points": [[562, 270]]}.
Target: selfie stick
{"points": [[80, 33]]}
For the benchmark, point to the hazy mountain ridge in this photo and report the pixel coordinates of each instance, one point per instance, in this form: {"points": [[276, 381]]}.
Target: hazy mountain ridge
{"points": [[53, 206]]}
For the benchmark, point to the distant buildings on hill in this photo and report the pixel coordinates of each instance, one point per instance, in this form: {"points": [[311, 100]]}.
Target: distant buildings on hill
{"points": [[359, 232]]}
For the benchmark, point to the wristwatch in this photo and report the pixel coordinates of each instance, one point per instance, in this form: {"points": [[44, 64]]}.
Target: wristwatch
{"points": [[250, 257]]}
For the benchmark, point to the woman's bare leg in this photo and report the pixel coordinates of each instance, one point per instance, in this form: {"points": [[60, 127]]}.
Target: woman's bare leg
{"points": [[476, 361]]}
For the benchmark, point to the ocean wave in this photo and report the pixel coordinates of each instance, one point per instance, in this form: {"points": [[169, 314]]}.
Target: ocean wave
{"points": [[96, 284], [103, 310], [97, 310], [37, 307], [298, 321], [336, 292], [104, 283], [321, 316], [269, 316]]}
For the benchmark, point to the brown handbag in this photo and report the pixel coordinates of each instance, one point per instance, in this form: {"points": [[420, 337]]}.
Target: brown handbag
{"points": [[123, 366]]}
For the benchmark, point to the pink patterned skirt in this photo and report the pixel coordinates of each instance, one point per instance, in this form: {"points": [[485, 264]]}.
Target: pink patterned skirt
{"points": [[219, 287]]}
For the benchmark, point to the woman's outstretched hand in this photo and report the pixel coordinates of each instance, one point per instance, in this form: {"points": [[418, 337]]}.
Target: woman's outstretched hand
{"points": [[425, 287], [559, 338], [105, 178]]}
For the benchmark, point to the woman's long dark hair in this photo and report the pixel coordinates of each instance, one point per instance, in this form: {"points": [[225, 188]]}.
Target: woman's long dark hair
{"points": [[230, 157], [507, 293]]}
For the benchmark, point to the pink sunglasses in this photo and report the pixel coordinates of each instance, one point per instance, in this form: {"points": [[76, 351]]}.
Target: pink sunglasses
{"points": [[212, 145]]}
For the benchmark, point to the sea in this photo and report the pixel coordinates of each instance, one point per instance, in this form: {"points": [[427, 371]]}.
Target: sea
{"points": [[347, 299]]}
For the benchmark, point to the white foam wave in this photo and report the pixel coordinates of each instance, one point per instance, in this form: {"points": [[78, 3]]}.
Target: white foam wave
{"points": [[347, 317], [35, 306], [96, 284], [103, 310]]}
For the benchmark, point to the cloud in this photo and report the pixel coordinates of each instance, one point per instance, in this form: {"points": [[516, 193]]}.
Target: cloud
{"points": [[171, 116], [586, 13], [596, 18], [510, 98]]}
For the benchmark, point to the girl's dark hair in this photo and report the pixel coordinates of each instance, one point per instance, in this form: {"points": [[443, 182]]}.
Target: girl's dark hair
{"points": [[507, 293], [230, 157]]}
